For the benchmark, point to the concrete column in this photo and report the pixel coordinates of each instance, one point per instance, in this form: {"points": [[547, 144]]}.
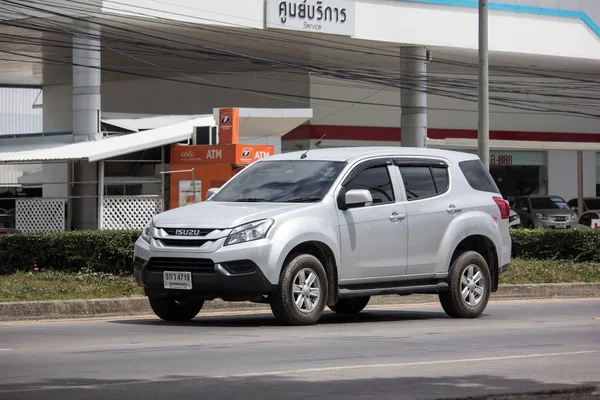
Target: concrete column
{"points": [[86, 120], [86, 81], [413, 96]]}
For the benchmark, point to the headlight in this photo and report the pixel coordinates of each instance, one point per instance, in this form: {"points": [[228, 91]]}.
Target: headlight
{"points": [[146, 232], [573, 216], [540, 216], [249, 232]]}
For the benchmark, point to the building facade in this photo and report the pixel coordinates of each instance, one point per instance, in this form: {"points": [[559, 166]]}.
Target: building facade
{"points": [[397, 72]]}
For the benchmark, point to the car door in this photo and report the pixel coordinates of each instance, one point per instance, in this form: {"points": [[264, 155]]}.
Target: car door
{"points": [[373, 238], [585, 221], [431, 206]]}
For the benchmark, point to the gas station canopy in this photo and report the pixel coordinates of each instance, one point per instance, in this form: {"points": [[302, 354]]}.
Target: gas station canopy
{"points": [[151, 132]]}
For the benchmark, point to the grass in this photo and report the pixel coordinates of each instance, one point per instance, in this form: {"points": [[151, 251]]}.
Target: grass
{"points": [[54, 285], [550, 271]]}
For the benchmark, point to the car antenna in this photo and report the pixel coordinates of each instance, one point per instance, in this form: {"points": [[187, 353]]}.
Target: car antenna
{"points": [[303, 156]]}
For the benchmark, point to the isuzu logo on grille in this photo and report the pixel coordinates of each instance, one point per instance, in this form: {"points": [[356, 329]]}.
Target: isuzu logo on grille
{"points": [[188, 232]]}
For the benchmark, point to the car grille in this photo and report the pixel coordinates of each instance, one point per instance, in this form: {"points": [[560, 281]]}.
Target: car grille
{"points": [[188, 264], [200, 231], [183, 243], [559, 218]]}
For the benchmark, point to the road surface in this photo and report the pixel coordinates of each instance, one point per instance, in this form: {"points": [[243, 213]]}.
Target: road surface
{"points": [[394, 352]]}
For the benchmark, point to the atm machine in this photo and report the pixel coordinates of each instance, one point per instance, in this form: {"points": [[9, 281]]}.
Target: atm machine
{"points": [[211, 163]]}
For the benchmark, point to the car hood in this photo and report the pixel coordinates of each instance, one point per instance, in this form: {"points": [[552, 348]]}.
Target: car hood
{"points": [[221, 215]]}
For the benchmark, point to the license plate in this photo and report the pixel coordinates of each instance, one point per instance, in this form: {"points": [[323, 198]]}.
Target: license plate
{"points": [[177, 280]]}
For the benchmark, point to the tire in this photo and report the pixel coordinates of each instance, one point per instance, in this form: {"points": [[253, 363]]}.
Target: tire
{"points": [[291, 289], [170, 309], [352, 305], [475, 301]]}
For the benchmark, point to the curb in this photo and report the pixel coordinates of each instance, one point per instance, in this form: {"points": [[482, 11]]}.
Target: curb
{"points": [[61, 309]]}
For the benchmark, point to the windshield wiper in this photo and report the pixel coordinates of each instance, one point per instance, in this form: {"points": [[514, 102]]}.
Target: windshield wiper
{"points": [[304, 200], [252, 200]]}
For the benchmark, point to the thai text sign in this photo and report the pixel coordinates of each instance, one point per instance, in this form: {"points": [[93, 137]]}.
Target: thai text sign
{"points": [[327, 16]]}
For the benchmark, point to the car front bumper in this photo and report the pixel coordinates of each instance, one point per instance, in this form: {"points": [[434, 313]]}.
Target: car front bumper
{"points": [[238, 272]]}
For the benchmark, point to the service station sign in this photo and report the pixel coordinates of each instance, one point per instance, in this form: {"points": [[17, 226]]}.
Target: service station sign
{"points": [[334, 17]]}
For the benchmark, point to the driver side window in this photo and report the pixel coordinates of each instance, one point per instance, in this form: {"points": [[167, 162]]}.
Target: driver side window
{"points": [[377, 180]]}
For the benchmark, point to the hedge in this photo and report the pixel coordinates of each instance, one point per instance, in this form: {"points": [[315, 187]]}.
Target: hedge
{"points": [[112, 251], [99, 251], [551, 244]]}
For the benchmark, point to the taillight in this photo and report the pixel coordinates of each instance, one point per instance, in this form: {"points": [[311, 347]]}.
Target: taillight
{"points": [[503, 206]]}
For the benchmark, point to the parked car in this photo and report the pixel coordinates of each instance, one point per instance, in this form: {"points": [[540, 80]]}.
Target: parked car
{"points": [[538, 211], [585, 222], [9, 231], [513, 220], [332, 227], [589, 203]]}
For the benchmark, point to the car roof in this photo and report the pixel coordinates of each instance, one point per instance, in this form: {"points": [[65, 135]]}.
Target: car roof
{"points": [[349, 154]]}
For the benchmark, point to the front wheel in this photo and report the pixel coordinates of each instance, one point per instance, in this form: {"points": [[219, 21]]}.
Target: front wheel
{"points": [[170, 309], [470, 282], [302, 292]]}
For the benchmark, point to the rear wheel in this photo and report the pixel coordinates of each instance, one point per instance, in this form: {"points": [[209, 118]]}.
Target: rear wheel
{"points": [[352, 305], [470, 283], [302, 292], [171, 309]]}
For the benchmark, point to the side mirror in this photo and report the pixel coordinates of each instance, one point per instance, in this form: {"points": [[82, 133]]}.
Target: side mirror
{"points": [[211, 192], [524, 209], [356, 198]]}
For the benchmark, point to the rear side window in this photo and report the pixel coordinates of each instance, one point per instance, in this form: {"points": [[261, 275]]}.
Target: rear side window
{"points": [[422, 182], [477, 176]]}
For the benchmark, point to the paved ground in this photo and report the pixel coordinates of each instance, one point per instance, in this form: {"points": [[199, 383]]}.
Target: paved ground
{"points": [[402, 352]]}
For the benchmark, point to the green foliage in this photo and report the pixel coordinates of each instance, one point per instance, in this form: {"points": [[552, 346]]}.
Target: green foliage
{"points": [[111, 252], [96, 251], [550, 244]]}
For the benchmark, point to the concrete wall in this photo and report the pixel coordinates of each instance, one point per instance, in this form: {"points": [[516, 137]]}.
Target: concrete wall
{"points": [[562, 174], [444, 112]]}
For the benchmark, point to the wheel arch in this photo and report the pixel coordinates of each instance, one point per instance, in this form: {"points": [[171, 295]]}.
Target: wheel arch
{"points": [[326, 256], [486, 248]]}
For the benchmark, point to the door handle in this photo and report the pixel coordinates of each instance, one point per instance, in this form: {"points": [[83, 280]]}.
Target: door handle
{"points": [[452, 209], [397, 217]]}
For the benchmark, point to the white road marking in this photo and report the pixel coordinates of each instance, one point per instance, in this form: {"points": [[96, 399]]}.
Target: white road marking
{"points": [[6, 349], [193, 378], [397, 365]]}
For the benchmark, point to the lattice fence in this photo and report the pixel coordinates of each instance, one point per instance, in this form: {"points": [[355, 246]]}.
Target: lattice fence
{"points": [[123, 212], [40, 215]]}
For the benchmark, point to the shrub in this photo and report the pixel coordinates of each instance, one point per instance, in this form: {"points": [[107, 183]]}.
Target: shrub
{"points": [[98, 251], [551, 244], [112, 251]]}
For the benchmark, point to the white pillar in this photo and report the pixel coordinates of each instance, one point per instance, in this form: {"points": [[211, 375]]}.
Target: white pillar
{"points": [[86, 120], [86, 81], [413, 96]]}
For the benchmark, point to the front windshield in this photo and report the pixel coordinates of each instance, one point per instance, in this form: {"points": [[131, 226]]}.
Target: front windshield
{"points": [[294, 181], [548, 203]]}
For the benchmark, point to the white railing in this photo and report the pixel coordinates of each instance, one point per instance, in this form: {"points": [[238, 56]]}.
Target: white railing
{"points": [[40, 215], [129, 212]]}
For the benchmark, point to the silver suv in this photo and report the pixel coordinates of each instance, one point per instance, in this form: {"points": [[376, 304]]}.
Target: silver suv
{"points": [[332, 227]]}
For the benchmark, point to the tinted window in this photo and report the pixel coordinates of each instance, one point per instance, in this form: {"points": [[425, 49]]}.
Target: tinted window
{"points": [[591, 204], [440, 177], [377, 181], [423, 182], [548, 203], [418, 182], [477, 176], [281, 181], [586, 219]]}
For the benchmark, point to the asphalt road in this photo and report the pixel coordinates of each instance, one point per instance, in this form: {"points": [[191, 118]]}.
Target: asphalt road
{"points": [[402, 352]]}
